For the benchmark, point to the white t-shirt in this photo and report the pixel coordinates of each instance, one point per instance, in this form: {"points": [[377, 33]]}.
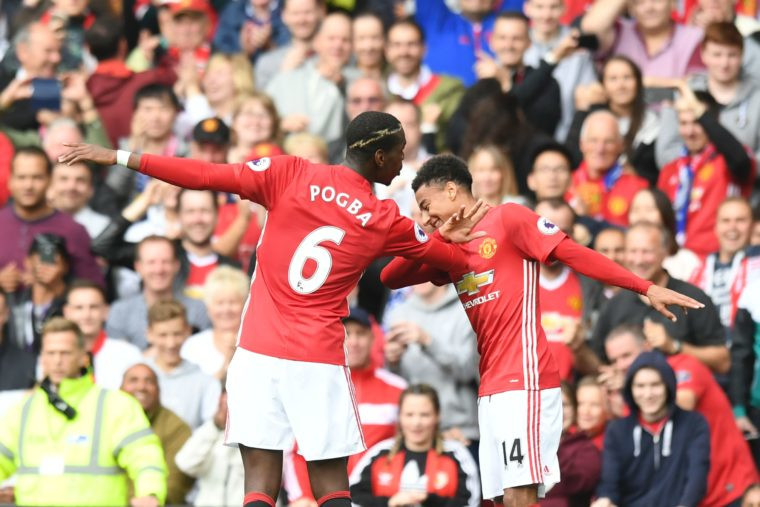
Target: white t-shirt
{"points": [[200, 349]]}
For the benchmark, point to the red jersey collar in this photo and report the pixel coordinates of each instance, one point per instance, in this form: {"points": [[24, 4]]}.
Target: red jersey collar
{"points": [[653, 427], [99, 342]]}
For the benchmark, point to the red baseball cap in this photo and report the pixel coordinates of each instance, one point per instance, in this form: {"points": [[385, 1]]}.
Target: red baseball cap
{"points": [[181, 6]]}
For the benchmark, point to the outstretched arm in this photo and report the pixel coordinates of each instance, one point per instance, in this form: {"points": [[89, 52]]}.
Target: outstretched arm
{"points": [[182, 172], [261, 181], [597, 266]]}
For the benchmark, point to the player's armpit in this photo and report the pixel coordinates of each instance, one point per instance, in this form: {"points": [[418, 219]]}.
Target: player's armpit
{"points": [[401, 272]]}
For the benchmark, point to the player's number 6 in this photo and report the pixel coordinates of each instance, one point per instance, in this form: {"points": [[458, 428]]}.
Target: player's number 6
{"points": [[310, 248]]}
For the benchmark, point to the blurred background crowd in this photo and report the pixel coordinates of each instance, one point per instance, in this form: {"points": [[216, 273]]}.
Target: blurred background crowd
{"points": [[633, 125]]}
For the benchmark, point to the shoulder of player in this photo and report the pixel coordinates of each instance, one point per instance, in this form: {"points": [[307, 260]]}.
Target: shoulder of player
{"points": [[390, 379]]}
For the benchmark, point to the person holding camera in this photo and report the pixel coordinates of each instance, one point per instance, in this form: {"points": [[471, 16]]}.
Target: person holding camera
{"points": [[48, 264]]}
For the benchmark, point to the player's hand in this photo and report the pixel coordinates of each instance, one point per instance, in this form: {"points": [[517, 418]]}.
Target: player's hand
{"points": [[81, 152], [603, 502], [746, 426], [660, 298], [458, 228]]}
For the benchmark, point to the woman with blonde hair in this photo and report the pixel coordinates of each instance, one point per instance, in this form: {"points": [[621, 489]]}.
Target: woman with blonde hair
{"points": [[418, 466], [493, 176], [255, 128], [225, 292], [226, 77]]}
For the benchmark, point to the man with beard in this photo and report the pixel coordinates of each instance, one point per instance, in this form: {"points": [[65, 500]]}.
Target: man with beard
{"points": [[30, 215], [197, 213]]}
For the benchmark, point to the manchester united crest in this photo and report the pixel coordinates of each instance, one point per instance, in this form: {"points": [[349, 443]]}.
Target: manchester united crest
{"points": [[487, 248]]}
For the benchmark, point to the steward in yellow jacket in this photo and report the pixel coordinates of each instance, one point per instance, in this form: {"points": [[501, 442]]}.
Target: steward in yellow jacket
{"points": [[73, 443]]}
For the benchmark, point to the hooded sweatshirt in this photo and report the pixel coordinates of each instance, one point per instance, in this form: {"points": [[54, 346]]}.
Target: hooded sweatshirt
{"points": [[449, 363], [113, 87], [664, 469]]}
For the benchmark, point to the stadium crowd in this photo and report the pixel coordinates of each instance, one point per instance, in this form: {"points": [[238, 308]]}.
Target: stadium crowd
{"points": [[633, 125]]}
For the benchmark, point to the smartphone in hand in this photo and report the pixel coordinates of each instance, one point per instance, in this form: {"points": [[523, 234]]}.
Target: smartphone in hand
{"points": [[46, 94]]}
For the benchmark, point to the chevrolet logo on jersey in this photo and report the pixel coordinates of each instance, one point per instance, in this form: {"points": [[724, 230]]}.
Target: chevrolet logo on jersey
{"points": [[471, 283]]}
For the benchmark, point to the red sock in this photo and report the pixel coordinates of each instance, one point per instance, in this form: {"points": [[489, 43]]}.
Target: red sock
{"points": [[334, 496], [255, 496]]}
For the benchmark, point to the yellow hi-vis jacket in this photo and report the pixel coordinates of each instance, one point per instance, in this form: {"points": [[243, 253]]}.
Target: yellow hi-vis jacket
{"points": [[85, 461]]}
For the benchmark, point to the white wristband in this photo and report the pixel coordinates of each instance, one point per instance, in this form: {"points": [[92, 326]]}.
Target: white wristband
{"points": [[122, 157]]}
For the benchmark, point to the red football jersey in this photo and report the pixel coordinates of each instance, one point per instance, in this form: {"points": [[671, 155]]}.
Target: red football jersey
{"points": [[200, 268], [600, 203], [561, 302], [324, 226], [712, 184], [499, 291], [732, 469]]}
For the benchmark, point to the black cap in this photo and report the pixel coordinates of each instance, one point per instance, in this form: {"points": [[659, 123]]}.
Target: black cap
{"points": [[358, 315], [212, 131], [47, 245]]}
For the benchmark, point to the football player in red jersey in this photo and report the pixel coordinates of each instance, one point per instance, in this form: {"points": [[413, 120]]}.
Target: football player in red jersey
{"points": [[520, 405], [288, 378]]}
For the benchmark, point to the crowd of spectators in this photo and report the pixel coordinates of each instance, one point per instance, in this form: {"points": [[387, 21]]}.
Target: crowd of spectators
{"points": [[633, 125]]}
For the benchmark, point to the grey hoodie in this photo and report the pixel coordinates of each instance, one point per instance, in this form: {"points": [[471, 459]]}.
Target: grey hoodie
{"points": [[741, 117], [449, 363]]}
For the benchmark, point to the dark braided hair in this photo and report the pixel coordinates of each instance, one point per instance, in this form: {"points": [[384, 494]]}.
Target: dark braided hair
{"points": [[372, 131]]}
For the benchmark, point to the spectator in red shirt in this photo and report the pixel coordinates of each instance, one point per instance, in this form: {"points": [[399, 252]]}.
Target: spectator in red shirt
{"points": [[603, 186], [377, 397], [560, 293], [715, 166], [580, 462], [418, 466], [732, 469]]}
